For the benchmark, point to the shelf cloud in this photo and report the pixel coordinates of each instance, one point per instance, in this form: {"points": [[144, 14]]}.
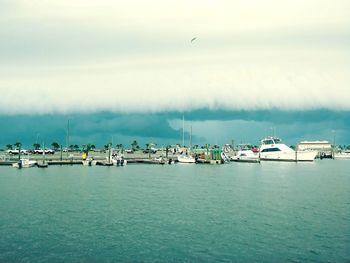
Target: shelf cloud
{"points": [[138, 57]]}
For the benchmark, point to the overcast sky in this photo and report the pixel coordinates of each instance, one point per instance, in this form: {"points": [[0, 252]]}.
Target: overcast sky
{"points": [[136, 56], [135, 60]]}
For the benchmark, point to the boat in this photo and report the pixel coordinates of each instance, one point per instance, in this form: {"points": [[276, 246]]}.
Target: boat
{"points": [[24, 163], [225, 157], [43, 163], [272, 149], [87, 162], [342, 155], [119, 161], [109, 158], [246, 156], [186, 159]]}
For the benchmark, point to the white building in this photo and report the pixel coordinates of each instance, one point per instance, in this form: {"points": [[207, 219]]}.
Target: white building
{"points": [[320, 146]]}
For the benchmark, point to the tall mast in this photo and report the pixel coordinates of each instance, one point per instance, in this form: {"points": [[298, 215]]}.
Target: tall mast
{"points": [[67, 138], [191, 139], [183, 131]]}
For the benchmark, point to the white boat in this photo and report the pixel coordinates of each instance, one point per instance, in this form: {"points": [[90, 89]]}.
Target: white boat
{"points": [[272, 149], [24, 163], [246, 156], [119, 161], [87, 162], [225, 157], [186, 159], [342, 155]]}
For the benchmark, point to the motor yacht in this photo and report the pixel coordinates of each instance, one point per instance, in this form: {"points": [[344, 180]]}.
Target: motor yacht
{"points": [[272, 149]]}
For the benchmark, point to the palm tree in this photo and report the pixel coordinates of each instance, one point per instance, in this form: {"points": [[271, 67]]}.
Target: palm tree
{"points": [[119, 146], [106, 147], [9, 146], [87, 148], [36, 146], [55, 146], [134, 145], [18, 145]]}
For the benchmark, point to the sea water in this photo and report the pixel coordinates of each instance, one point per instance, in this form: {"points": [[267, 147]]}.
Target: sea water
{"points": [[238, 212]]}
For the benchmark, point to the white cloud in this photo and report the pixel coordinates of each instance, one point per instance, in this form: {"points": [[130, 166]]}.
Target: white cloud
{"points": [[204, 16], [63, 56]]}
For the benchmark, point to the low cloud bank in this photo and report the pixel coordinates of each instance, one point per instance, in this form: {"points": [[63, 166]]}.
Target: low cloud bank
{"points": [[166, 128]]}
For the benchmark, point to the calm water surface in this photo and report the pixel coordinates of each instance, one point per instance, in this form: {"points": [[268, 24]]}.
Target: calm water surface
{"points": [[272, 212]]}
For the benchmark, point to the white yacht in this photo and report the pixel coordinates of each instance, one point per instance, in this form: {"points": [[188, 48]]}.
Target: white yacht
{"points": [[186, 159], [272, 149], [24, 163]]}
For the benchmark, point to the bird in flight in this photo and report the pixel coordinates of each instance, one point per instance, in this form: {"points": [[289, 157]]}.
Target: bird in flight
{"points": [[193, 39]]}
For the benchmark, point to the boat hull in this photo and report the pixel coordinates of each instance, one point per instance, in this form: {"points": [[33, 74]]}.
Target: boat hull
{"points": [[186, 159], [24, 163], [299, 156], [245, 159]]}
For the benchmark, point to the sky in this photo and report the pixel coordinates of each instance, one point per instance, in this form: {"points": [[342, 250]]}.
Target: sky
{"points": [[128, 69]]}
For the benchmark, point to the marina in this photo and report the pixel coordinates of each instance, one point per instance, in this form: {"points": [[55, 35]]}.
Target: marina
{"points": [[271, 149]]}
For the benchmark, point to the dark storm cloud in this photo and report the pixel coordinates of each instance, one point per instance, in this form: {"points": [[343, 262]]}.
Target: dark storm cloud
{"points": [[98, 128]]}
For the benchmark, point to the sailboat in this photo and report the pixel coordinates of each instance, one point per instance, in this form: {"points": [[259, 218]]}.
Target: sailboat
{"points": [[43, 163], [108, 161], [23, 162], [186, 157]]}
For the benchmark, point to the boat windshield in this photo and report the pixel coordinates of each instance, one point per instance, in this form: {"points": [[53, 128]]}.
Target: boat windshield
{"points": [[271, 141]]}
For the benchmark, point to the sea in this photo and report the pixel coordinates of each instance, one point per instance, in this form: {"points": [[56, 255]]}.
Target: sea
{"points": [[237, 212]]}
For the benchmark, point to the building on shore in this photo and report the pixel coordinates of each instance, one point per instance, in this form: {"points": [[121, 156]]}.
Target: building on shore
{"points": [[324, 148]]}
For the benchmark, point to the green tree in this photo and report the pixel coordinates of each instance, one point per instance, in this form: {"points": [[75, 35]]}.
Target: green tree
{"points": [[9, 146], [71, 147], [36, 146], [18, 145], [87, 148], [119, 146], [55, 146], [134, 145], [76, 147]]}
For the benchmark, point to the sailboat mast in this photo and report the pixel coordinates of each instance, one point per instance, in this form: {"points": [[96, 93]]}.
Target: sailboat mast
{"points": [[183, 131], [44, 153], [67, 135], [191, 139]]}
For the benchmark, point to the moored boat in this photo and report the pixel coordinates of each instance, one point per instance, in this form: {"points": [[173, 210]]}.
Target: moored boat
{"points": [[186, 159], [24, 163], [246, 156], [272, 149]]}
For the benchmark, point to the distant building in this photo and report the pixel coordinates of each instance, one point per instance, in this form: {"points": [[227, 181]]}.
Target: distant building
{"points": [[320, 146]]}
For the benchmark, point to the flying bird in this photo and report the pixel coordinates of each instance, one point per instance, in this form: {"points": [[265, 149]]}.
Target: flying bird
{"points": [[193, 39]]}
